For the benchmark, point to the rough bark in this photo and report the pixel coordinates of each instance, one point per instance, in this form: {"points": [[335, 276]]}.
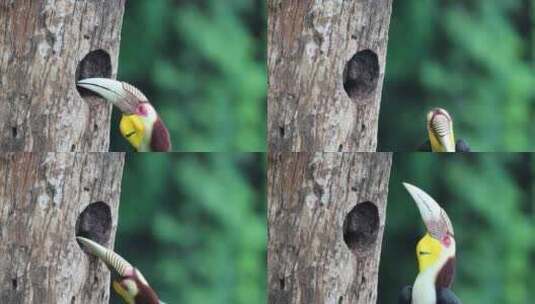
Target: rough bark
{"points": [[326, 62], [326, 217], [42, 43], [42, 199]]}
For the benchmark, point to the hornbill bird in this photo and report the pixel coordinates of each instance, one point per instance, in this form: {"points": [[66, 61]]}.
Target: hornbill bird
{"points": [[140, 123], [440, 132], [435, 254], [131, 285]]}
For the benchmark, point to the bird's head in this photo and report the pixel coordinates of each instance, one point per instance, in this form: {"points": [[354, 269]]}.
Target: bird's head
{"points": [[435, 252], [134, 289], [130, 284], [440, 130], [140, 124], [428, 251]]}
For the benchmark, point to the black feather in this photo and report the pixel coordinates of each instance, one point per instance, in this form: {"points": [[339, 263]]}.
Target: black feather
{"points": [[405, 295], [461, 146], [446, 296]]}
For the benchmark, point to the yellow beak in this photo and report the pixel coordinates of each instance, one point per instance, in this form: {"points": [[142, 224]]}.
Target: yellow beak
{"points": [[442, 143], [132, 128]]}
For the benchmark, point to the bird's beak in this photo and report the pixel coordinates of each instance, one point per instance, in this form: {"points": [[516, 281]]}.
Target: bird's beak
{"points": [[114, 261], [121, 94], [111, 90], [133, 129], [441, 127], [448, 142], [434, 217]]}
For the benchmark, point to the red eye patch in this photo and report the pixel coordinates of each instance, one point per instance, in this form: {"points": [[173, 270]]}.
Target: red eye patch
{"points": [[141, 110], [446, 240]]}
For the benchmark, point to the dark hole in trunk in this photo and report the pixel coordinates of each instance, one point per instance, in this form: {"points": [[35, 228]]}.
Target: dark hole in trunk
{"points": [[361, 75], [94, 223], [95, 64], [361, 227]]}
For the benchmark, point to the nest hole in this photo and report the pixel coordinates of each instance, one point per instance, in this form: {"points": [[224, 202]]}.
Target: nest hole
{"points": [[95, 64], [361, 74], [361, 226], [94, 223]]}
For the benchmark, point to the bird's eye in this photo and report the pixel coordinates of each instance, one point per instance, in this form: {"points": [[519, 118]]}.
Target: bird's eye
{"points": [[446, 240], [423, 253], [141, 110], [130, 134]]}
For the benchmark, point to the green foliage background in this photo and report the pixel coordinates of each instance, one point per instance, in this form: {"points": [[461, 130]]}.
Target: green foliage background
{"points": [[490, 198], [202, 63], [475, 58], [195, 225]]}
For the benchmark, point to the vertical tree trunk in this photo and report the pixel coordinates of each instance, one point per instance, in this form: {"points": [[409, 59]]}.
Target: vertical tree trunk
{"points": [[46, 199], [326, 217], [44, 47], [326, 62]]}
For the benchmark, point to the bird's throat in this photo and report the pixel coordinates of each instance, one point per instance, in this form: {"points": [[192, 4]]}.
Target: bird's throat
{"points": [[438, 276]]}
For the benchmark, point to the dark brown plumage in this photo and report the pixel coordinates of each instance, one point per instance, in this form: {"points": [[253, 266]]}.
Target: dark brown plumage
{"points": [[446, 275], [160, 140], [145, 295]]}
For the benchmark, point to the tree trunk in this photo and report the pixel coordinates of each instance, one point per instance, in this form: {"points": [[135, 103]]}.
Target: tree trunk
{"points": [[326, 217], [326, 62], [46, 199], [45, 46]]}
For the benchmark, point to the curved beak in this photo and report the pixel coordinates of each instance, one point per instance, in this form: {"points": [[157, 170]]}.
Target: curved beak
{"points": [[440, 126], [109, 89], [121, 94], [434, 217], [111, 259], [447, 143]]}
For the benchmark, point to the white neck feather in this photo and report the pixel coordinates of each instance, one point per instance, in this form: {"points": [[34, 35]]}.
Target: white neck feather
{"points": [[148, 121], [423, 290]]}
